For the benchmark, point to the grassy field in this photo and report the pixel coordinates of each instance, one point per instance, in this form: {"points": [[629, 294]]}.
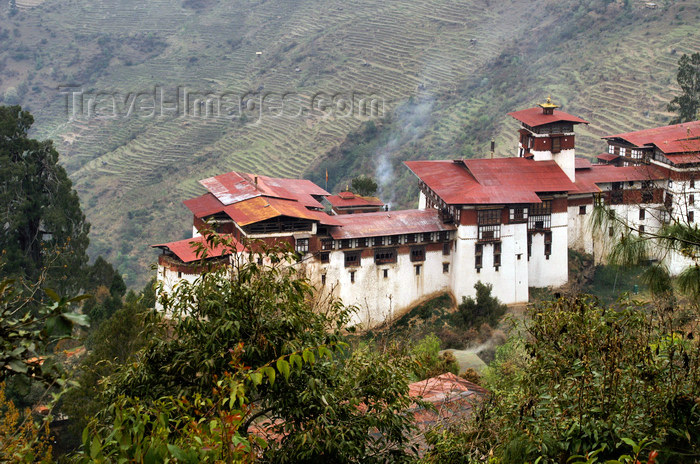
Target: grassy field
{"points": [[451, 68]]}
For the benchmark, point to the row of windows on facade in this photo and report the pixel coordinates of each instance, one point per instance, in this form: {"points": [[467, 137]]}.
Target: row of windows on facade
{"points": [[417, 269], [302, 244], [622, 151], [384, 255]]}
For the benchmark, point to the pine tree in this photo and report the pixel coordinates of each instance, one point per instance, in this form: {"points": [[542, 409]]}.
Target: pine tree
{"points": [[687, 105], [44, 229]]}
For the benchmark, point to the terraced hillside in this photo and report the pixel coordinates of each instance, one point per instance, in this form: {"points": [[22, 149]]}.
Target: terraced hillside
{"points": [[454, 68]]}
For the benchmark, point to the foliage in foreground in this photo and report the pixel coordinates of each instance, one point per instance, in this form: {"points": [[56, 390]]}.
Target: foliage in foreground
{"points": [[21, 440], [262, 318], [588, 379]]}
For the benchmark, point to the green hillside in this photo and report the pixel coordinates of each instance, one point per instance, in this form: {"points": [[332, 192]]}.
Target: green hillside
{"points": [[451, 68]]}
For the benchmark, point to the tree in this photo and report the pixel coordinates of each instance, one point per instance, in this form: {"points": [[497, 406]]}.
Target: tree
{"points": [[273, 315], [687, 105], [364, 186], [588, 379], [631, 246], [485, 309], [40, 210]]}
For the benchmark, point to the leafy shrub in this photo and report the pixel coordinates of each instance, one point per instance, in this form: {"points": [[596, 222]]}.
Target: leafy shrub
{"points": [[485, 309]]}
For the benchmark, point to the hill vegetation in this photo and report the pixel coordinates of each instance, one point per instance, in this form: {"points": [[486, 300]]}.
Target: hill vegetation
{"points": [[446, 71]]}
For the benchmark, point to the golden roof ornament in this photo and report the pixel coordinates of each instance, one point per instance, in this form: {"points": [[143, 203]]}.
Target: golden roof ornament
{"points": [[548, 104]]}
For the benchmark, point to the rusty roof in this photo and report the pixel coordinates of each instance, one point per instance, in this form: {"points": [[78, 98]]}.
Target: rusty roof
{"points": [[582, 163], [685, 158], [491, 181], [534, 117], [607, 157], [259, 209], [410, 221], [606, 173], [452, 397], [677, 138], [204, 205], [186, 249], [233, 187], [348, 199]]}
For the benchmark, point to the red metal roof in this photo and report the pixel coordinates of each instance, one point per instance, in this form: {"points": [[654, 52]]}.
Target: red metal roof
{"points": [[605, 173], [410, 221], [348, 199], [491, 181], [534, 117], [233, 187], [677, 138], [607, 157], [262, 208], [186, 249], [453, 398], [685, 158], [582, 163], [204, 205]]}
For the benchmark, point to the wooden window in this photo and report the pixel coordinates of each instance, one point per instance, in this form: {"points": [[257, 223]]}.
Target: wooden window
{"points": [[378, 241], [582, 209], [302, 245], [323, 279], [692, 183], [540, 217], [641, 230], [518, 214], [352, 258], [547, 244], [417, 254], [556, 144], [345, 243], [417, 266], [179, 274], [427, 237], [361, 243], [386, 273], [395, 239], [325, 257], [647, 191], [445, 268], [691, 199], [489, 221], [446, 248], [478, 256], [326, 244], [529, 246], [410, 238], [497, 255], [642, 214], [385, 256], [691, 217], [352, 277]]}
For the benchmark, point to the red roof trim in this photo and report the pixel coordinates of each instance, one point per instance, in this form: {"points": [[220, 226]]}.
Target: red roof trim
{"points": [[534, 117], [186, 249]]}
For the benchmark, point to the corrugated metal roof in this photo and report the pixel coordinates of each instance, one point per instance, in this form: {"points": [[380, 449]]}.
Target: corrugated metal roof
{"points": [[534, 117], [262, 208], [382, 223], [583, 163], [186, 249], [677, 138], [491, 181], [685, 158], [605, 173], [204, 205], [344, 200], [607, 157], [233, 187]]}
